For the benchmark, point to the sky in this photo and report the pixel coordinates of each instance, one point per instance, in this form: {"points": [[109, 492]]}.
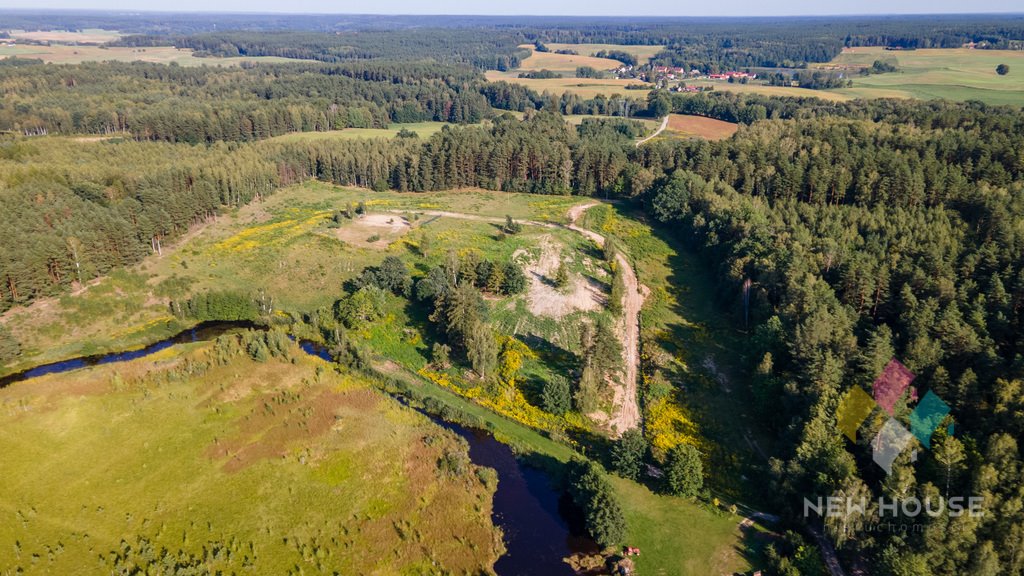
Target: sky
{"points": [[543, 7]]}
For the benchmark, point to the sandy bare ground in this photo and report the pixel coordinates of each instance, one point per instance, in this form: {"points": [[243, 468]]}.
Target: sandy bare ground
{"points": [[626, 411], [626, 407], [386, 227], [544, 299]]}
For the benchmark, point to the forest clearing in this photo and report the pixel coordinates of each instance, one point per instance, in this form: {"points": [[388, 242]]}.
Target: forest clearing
{"points": [[283, 227]]}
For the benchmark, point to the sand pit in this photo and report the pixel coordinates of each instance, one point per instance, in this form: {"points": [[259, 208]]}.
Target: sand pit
{"points": [[544, 299], [375, 231]]}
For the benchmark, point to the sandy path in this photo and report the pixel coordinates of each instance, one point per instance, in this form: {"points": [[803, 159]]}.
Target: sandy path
{"points": [[626, 410], [664, 124]]}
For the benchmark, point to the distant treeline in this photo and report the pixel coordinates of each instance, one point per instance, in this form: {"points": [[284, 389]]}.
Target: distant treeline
{"points": [[204, 104], [479, 48], [718, 44]]}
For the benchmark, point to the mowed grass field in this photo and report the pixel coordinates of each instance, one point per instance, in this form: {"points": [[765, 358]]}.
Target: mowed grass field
{"points": [[766, 90], [423, 129], [953, 74], [69, 54], [565, 64], [274, 467], [687, 126], [643, 53], [585, 87]]}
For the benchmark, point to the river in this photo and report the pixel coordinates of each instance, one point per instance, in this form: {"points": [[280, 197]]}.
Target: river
{"points": [[526, 507]]}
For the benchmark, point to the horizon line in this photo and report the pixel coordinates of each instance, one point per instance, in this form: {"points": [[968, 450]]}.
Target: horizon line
{"points": [[470, 15]]}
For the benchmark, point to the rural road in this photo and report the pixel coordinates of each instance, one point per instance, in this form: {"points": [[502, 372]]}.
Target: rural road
{"points": [[664, 124], [626, 412]]}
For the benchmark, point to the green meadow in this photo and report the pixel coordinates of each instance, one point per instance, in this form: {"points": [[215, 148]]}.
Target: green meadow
{"points": [[201, 457], [952, 74]]}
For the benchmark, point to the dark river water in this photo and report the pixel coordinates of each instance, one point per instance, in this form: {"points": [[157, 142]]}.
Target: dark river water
{"points": [[526, 507]]}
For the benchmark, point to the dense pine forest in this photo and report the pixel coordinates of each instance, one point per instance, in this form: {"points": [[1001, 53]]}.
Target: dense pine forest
{"points": [[174, 103], [859, 230]]}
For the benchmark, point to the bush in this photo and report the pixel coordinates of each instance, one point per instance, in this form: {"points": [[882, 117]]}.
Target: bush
{"points": [[562, 276], [440, 355], [684, 474], [217, 306], [392, 275], [511, 226], [594, 495], [361, 307], [628, 453], [556, 397]]}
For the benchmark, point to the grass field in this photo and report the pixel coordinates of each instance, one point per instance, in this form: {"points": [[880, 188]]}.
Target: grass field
{"points": [[565, 64], [424, 129], [686, 126], [68, 54], [585, 87], [953, 74], [267, 467], [86, 36], [754, 88], [643, 53]]}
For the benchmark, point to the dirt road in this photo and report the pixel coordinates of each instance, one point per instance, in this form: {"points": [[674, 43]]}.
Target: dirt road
{"points": [[626, 411], [627, 407], [664, 124]]}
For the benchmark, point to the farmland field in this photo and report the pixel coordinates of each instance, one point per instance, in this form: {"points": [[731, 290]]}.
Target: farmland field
{"points": [[643, 53], [585, 87], [423, 129], [69, 54], [766, 90], [700, 127], [86, 36], [201, 456], [565, 64], [954, 74]]}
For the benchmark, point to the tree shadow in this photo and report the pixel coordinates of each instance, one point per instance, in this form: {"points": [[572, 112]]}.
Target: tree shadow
{"points": [[713, 379]]}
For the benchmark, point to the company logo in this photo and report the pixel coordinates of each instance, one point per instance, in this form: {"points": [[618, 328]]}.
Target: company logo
{"points": [[893, 438]]}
